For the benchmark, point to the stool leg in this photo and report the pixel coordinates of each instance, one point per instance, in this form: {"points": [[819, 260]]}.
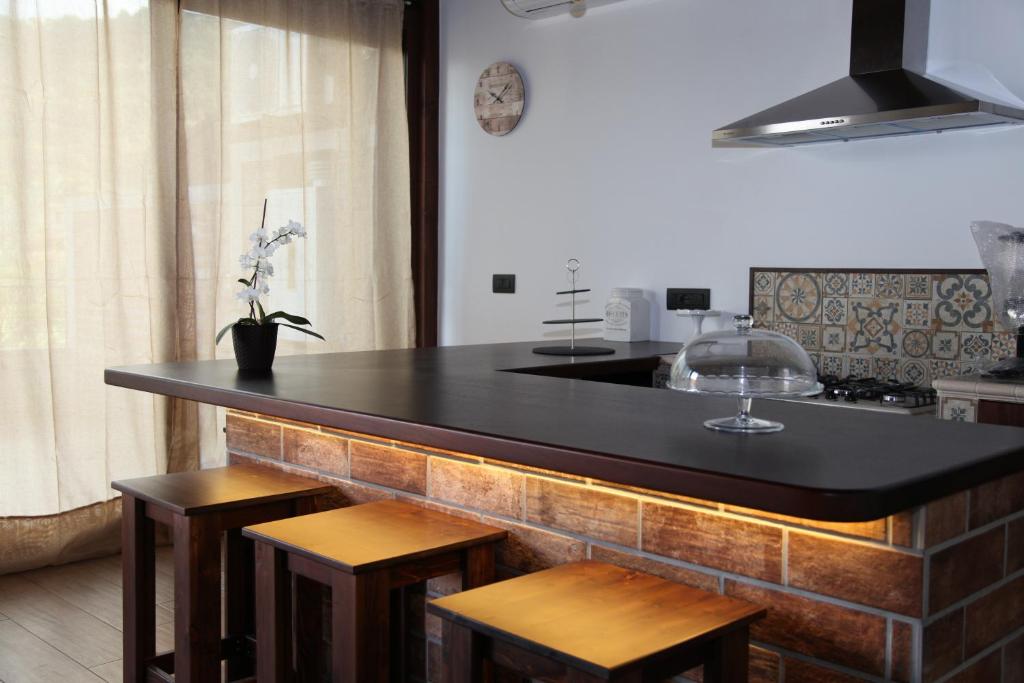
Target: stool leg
{"points": [[138, 565], [308, 641], [273, 615], [308, 616], [462, 655], [359, 616], [239, 575], [196, 600], [478, 566], [728, 662]]}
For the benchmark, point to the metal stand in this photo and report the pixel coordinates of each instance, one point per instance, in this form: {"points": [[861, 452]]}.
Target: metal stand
{"points": [[573, 266], [698, 316]]}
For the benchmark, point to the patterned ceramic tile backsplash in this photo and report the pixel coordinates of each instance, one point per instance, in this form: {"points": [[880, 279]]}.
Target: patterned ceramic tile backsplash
{"points": [[909, 326]]}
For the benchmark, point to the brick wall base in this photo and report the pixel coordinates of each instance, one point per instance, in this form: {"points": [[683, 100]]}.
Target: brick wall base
{"points": [[935, 593]]}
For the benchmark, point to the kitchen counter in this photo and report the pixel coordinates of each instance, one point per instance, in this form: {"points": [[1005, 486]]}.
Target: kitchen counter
{"points": [[502, 401]]}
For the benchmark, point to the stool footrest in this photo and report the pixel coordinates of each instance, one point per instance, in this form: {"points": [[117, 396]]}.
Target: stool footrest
{"points": [[161, 667]]}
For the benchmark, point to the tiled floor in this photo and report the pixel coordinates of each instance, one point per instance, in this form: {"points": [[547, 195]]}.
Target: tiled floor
{"points": [[63, 624]]}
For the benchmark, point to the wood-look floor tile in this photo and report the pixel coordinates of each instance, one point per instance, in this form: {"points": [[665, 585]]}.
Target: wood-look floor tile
{"points": [[86, 639], [84, 586], [164, 572], [111, 672], [81, 585], [24, 658]]}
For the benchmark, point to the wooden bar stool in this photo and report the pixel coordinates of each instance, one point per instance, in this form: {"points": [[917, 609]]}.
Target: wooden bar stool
{"points": [[367, 554], [590, 621], [200, 507]]}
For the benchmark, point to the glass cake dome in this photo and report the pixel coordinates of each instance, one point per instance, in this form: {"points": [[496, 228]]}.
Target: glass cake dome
{"points": [[748, 364]]}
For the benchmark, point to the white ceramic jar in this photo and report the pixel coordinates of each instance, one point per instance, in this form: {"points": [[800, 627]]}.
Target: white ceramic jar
{"points": [[627, 316]]}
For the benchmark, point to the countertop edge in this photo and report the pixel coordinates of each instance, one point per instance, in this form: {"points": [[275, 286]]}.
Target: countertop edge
{"points": [[786, 499]]}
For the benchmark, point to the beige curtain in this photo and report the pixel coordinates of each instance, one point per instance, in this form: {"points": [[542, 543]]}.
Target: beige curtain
{"points": [[301, 102], [137, 144], [87, 273]]}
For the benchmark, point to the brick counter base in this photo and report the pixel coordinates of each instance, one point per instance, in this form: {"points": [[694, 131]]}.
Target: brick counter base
{"points": [[931, 594]]}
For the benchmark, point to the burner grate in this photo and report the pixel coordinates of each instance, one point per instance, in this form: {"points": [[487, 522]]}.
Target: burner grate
{"points": [[891, 393]]}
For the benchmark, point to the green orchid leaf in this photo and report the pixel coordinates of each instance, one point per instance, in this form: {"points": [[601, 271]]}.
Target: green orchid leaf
{"points": [[303, 330], [244, 281], [263, 314], [297, 319], [223, 331]]}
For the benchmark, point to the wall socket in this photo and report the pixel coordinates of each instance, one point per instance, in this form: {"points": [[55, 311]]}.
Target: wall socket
{"points": [[503, 284], [687, 299]]}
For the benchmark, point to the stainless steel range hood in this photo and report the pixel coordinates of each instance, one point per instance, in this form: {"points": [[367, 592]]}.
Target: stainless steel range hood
{"points": [[885, 93]]}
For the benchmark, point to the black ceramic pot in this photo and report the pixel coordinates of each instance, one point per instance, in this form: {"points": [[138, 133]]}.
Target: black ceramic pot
{"points": [[255, 346]]}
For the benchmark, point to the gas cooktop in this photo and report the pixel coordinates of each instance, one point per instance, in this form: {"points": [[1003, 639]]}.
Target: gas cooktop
{"points": [[870, 393]]}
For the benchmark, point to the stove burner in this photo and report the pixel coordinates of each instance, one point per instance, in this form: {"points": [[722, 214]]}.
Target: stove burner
{"points": [[888, 393]]}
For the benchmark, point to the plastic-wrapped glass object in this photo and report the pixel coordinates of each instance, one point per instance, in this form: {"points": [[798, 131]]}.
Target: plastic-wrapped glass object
{"points": [[1002, 251], [748, 364]]}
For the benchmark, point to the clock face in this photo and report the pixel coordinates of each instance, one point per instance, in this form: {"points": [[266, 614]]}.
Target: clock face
{"points": [[499, 98]]}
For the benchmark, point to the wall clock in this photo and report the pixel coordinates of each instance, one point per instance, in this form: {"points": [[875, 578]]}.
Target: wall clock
{"points": [[499, 98]]}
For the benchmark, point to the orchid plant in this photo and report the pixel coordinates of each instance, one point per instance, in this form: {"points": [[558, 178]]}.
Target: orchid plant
{"points": [[264, 244]]}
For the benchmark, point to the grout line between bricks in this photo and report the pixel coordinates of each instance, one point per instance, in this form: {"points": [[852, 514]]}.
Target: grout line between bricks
{"points": [[639, 525], [1006, 549], [888, 649], [991, 588], [1007, 520], [785, 557], [830, 666], [1003, 642], [963, 637]]}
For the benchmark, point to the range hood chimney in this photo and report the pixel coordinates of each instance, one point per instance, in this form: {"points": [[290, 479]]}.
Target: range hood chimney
{"points": [[885, 94]]}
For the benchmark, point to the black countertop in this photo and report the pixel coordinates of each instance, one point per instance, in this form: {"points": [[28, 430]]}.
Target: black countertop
{"points": [[828, 464]]}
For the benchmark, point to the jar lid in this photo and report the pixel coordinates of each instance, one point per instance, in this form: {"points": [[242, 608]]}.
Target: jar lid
{"points": [[627, 292], [745, 362]]}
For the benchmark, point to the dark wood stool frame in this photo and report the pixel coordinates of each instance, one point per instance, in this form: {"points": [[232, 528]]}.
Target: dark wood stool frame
{"points": [[469, 656], [367, 606], [199, 646]]}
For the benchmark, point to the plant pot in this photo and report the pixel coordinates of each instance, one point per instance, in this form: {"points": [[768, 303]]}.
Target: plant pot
{"points": [[255, 346]]}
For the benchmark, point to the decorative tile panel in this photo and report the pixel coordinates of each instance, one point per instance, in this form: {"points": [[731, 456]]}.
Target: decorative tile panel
{"points": [[905, 325], [958, 409], [834, 338], [874, 326], [798, 297], [836, 284]]}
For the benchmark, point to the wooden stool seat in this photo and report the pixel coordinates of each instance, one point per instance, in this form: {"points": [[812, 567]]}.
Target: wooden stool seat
{"points": [[201, 508], [373, 536], [219, 489], [592, 621], [367, 554]]}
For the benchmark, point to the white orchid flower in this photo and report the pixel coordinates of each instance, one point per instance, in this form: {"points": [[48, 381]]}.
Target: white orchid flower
{"points": [[258, 236], [296, 228], [248, 294]]}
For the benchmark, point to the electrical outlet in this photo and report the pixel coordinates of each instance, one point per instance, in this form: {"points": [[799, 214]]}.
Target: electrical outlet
{"points": [[503, 284], [687, 299]]}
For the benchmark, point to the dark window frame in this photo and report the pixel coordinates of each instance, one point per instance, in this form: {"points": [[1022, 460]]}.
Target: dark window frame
{"points": [[421, 43]]}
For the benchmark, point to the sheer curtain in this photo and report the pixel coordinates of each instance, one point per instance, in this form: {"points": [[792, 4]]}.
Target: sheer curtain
{"points": [[301, 103], [87, 274], [138, 144]]}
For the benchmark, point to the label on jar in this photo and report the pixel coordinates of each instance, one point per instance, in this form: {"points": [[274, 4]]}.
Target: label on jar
{"points": [[616, 317]]}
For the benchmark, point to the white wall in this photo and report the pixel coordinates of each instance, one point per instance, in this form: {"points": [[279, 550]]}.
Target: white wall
{"points": [[612, 162]]}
